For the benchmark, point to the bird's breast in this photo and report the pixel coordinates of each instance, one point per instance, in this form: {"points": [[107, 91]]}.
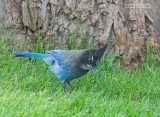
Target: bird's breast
{"points": [[66, 73]]}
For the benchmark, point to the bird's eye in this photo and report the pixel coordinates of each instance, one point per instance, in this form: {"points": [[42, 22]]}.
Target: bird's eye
{"points": [[90, 59]]}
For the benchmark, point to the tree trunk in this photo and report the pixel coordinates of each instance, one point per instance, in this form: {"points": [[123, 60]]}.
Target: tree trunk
{"points": [[134, 22]]}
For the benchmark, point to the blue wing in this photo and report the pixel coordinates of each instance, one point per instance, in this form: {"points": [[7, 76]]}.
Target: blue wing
{"points": [[58, 58]]}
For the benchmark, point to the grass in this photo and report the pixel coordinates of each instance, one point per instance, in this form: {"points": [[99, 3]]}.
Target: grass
{"points": [[29, 88]]}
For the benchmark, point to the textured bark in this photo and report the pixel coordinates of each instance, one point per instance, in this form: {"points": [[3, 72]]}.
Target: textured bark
{"points": [[132, 25]]}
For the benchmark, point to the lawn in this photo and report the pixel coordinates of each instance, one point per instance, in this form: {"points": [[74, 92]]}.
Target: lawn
{"points": [[29, 88]]}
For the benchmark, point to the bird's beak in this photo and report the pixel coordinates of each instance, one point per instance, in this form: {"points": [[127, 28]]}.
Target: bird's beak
{"points": [[93, 70]]}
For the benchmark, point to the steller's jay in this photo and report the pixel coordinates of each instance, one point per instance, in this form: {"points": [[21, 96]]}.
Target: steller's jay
{"points": [[68, 65]]}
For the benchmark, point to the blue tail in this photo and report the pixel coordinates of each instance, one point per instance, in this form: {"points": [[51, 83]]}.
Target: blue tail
{"points": [[49, 59], [37, 55]]}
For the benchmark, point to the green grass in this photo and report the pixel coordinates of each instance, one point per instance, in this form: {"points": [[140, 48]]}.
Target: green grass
{"points": [[29, 88]]}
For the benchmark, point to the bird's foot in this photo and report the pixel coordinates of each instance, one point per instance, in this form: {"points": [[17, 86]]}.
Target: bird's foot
{"points": [[70, 85]]}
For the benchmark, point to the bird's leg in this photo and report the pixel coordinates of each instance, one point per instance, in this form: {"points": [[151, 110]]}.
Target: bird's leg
{"points": [[64, 86], [70, 85]]}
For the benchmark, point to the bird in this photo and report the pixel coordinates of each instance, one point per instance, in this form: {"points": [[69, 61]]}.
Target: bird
{"points": [[69, 64]]}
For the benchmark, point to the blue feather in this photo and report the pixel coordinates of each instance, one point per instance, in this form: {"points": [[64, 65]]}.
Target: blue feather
{"points": [[37, 55], [57, 55], [46, 57]]}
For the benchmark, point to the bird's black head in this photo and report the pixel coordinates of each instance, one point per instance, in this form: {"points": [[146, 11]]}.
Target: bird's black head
{"points": [[91, 57]]}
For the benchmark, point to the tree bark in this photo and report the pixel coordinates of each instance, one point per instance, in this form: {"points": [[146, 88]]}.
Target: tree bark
{"points": [[134, 22]]}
